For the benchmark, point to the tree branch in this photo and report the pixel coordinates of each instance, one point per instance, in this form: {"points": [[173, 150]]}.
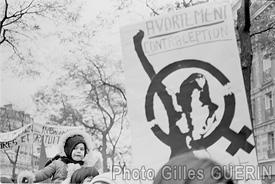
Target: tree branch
{"points": [[262, 31], [104, 82], [3, 36], [21, 12], [119, 135], [155, 13], [94, 127], [11, 161], [117, 88], [15, 50], [16, 32], [5, 15], [186, 4], [3, 31]]}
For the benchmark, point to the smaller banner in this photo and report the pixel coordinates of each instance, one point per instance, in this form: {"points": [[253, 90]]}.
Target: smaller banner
{"points": [[51, 133], [10, 140], [32, 134]]}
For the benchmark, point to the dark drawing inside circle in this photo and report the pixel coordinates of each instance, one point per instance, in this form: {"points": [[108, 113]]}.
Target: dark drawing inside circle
{"points": [[194, 99]]}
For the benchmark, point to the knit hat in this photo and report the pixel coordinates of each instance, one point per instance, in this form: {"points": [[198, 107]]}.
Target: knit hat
{"points": [[72, 142]]}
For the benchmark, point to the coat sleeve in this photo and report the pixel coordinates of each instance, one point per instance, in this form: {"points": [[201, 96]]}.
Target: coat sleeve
{"points": [[45, 173]]}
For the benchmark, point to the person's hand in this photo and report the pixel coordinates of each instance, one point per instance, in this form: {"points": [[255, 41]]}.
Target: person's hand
{"points": [[25, 177]]}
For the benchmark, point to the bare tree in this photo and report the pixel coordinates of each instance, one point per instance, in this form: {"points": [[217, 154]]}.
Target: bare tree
{"points": [[22, 23], [99, 103], [12, 120], [246, 56]]}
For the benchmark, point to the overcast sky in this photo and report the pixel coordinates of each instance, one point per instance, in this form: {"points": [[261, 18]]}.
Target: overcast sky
{"points": [[19, 92]]}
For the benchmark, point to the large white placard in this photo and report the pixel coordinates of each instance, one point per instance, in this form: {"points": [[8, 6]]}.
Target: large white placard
{"points": [[185, 89]]}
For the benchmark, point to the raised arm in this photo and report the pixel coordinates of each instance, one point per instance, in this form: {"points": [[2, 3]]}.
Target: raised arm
{"points": [[144, 61], [166, 99]]}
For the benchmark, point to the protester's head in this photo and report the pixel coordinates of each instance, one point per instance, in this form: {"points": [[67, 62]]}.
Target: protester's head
{"points": [[108, 178], [5, 180], [75, 144], [75, 148], [84, 175], [189, 169]]}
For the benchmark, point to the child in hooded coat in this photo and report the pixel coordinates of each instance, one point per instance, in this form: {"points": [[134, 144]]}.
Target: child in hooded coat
{"points": [[75, 151]]}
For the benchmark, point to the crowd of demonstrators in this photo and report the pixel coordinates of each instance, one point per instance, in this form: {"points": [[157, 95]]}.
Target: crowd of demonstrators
{"points": [[181, 169], [74, 165], [75, 151], [176, 171]]}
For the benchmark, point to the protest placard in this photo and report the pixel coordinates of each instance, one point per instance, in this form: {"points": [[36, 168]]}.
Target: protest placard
{"points": [[32, 134], [185, 89], [21, 136], [51, 135]]}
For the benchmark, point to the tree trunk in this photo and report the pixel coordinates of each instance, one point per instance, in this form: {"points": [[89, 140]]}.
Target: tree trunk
{"points": [[243, 22], [15, 163], [104, 152], [113, 155]]}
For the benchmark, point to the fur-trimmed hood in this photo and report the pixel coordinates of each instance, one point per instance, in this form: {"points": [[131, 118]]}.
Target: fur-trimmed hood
{"points": [[88, 159]]}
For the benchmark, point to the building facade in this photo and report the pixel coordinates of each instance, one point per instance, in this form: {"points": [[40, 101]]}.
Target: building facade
{"points": [[10, 120], [262, 99]]}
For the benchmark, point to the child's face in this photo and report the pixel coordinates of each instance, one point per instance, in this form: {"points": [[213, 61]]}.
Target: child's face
{"points": [[78, 152]]}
